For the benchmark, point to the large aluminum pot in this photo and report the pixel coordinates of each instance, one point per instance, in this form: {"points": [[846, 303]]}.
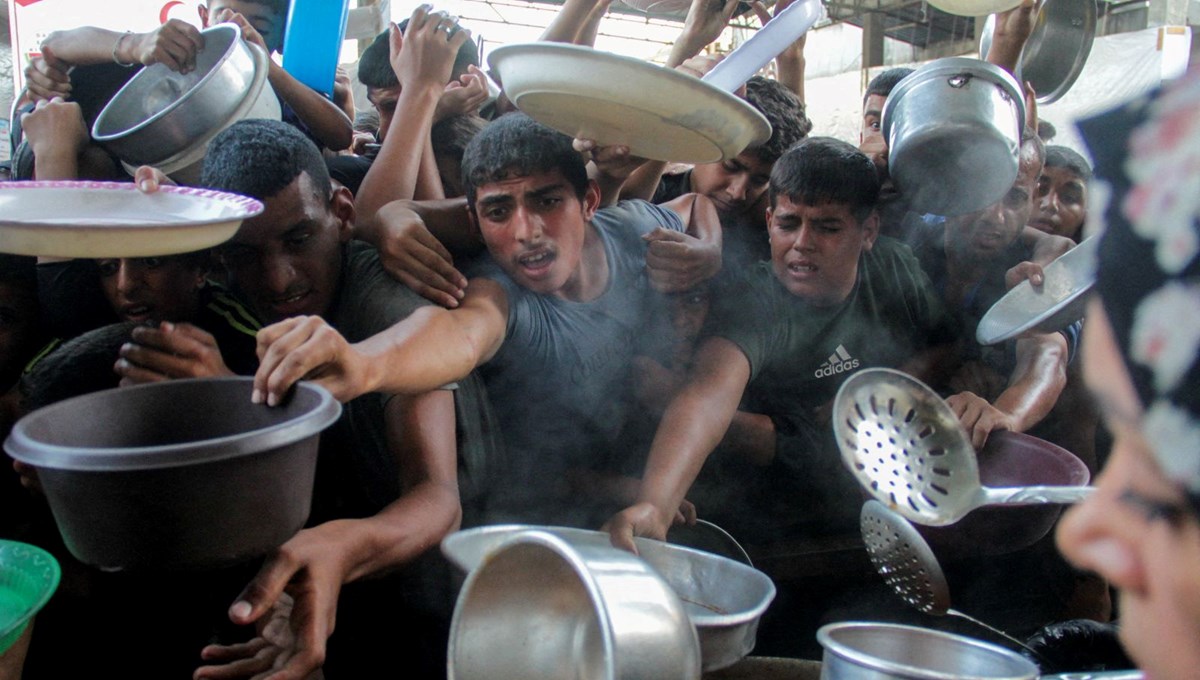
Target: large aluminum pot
{"points": [[856, 650], [539, 607], [954, 131], [160, 113], [723, 599], [179, 474]]}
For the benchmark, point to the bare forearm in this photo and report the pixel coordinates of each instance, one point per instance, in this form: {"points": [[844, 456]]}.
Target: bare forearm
{"points": [[791, 74], [690, 429], [429, 183], [428, 350], [394, 173], [644, 181], [327, 122], [569, 21], [752, 437], [401, 532], [88, 45], [1038, 380], [446, 219]]}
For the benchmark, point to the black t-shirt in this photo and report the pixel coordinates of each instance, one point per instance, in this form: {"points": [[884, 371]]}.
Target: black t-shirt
{"points": [[799, 356], [358, 475]]}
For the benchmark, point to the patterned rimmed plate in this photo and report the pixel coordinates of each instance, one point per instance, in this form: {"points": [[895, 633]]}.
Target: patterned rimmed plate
{"points": [[110, 219]]}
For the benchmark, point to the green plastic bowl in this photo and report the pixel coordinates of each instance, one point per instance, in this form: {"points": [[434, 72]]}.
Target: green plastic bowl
{"points": [[28, 577]]}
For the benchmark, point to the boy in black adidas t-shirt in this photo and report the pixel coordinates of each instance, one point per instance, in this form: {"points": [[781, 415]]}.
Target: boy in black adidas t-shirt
{"points": [[834, 298]]}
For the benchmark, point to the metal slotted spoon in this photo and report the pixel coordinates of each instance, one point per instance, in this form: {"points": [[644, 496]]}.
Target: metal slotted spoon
{"points": [[907, 448], [906, 562]]}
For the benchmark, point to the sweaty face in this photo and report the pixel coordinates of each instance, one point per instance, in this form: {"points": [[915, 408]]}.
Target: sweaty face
{"points": [[534, 227], [152, 288], [984, 234], [265, 20], [384, 100], [1061, 203], [1135, 530], [734, 185], [815, 249], [287, 261]]}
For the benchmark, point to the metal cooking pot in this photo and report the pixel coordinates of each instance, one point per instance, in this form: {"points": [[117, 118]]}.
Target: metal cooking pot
{"points": [[1057, 49], [954, 130], [856, 650], [723, 599], [161, 113], [539, 607], [179, 474]]}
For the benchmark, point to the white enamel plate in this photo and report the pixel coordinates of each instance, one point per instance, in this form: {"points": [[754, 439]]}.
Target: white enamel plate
{"points": [[111, 219]]}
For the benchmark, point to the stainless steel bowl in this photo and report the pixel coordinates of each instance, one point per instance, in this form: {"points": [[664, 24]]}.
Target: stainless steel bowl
{"points": [[1057, 48], [160, 113], [723, 598], [954, 128], [856, 650], [179, 474], [539, 607]]}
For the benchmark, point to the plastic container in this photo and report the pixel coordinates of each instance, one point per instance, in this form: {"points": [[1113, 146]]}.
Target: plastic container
{"points": [[28, 577], [764, 45], [312, 41]]}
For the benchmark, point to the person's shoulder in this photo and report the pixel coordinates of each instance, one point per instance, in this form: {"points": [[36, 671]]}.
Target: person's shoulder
{"points": [[636, 217], [366, 282]]}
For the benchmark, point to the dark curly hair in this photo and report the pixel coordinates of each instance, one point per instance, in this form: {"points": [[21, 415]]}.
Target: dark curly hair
{"points": [[783, 110], [1065, 157], [260, 158], [515, 145], [883, 83], [822, 170]]}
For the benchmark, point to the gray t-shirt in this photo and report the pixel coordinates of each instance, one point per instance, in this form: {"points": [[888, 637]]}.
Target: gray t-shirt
{"points": [[358, 475], [559, 384]]}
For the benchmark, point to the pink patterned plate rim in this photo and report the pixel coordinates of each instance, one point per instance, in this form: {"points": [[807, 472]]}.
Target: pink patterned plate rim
{"points": [[244, 207]]}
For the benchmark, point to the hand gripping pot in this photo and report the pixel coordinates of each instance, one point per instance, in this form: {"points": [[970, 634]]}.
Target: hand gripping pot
{"points": [[953, 129], [178, 474], [539, 607]]}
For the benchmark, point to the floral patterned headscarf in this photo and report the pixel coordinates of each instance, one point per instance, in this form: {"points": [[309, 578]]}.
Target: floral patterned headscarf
{"points": [[1147, 196]]}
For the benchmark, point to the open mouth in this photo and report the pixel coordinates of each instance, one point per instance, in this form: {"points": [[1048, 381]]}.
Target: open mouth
{"points": [[801, 269], [536, 263], [291, 305], [136, 312]]}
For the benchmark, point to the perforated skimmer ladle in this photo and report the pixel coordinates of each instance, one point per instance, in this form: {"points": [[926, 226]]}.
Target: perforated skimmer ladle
{"points": [[907, 448], [906, 562]]}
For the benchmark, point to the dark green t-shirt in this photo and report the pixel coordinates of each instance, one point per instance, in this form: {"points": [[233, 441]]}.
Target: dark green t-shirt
{"points": [[799, 356], [358, 474]]}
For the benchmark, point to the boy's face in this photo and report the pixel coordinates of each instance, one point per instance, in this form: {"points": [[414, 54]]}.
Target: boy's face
{"points": [[534, 227], [262, 17], [152, 288], [733, 185], [815, 248], [288, 260], [384, 100], [1061, 202]]}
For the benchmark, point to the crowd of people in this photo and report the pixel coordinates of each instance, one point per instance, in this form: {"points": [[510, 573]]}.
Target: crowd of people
{"points": [[528, 328]]}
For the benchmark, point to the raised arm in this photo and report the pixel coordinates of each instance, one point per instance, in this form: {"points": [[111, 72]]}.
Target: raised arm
{"points": [[422, 60], [706, 20], [1011, 32], [324, 119], [691, 428], [789, 63], [575, 21]]}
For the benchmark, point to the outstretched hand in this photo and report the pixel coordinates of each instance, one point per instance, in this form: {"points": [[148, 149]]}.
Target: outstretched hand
{"points": [[677, 262], [307, 348]]}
